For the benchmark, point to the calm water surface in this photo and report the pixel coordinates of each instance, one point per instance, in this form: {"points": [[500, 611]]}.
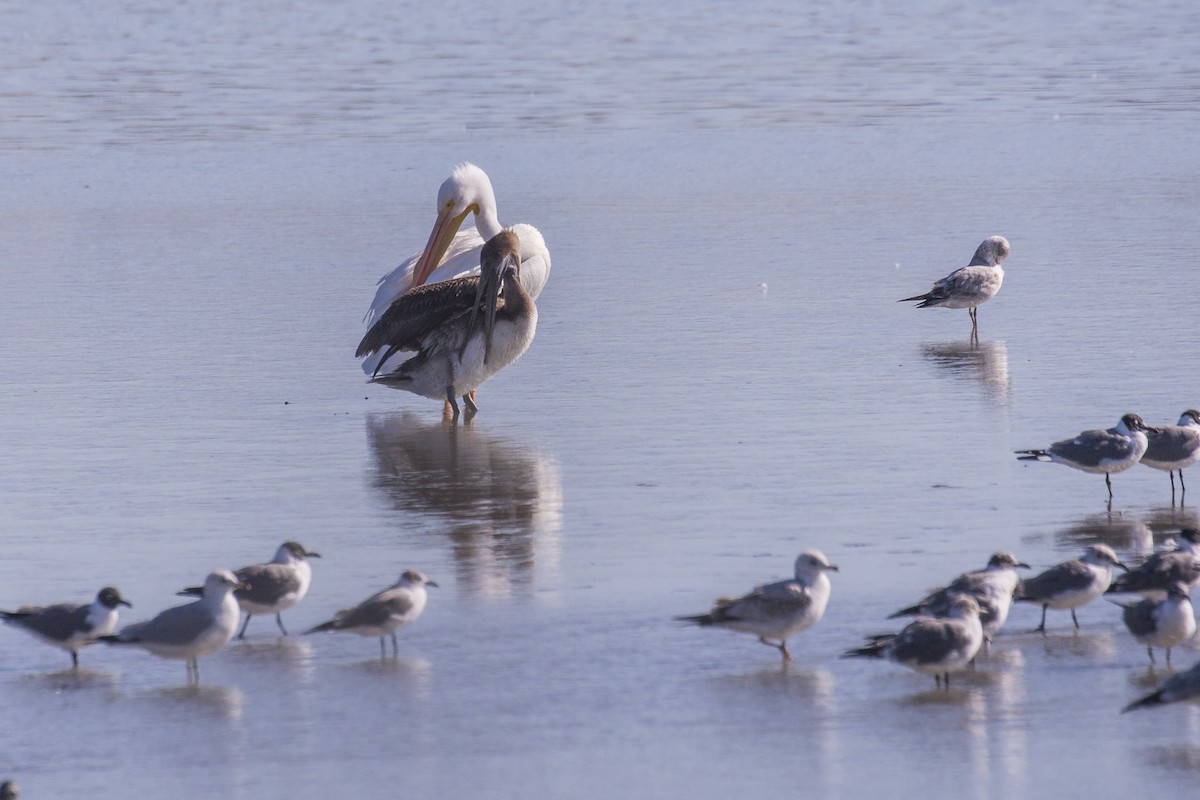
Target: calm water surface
{"points": [[196, 204]]}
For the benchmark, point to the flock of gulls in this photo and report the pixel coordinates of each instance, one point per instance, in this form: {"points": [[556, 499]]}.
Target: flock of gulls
{"points": [[954, 623], [464, 308], [187, 632]]}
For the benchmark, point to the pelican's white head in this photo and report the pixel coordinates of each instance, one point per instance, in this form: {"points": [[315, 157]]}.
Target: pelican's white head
{"points": [[466, 191]]}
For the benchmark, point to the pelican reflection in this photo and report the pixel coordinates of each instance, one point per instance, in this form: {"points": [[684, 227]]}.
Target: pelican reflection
{"points": [[499, 501], [985, 363]]}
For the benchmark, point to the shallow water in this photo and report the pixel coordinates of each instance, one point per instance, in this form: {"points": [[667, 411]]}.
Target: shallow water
{"points": [[196, 205]]}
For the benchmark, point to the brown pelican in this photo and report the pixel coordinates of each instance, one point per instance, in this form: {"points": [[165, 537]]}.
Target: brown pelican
{"points": [[454, 253], [438, 321], [972, 285]]}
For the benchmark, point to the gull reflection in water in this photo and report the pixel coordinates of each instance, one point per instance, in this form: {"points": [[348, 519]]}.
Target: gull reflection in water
{"points": [[499, 501], [1123, 533], [985, 363]]}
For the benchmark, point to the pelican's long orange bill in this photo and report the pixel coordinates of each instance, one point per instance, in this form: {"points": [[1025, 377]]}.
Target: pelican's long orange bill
{"points": [[443, 234]]}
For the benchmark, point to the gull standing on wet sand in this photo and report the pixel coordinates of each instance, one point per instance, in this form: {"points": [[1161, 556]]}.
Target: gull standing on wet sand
{"points": [[1180, 686], [70, 626], [1158, 573], [384, 612], [192, 630], [453, 355], [1174, 448], [776, 610], [933, 646], [271, 588], [970, 286], [1099, 451], [1072, 584], [993, 588], [1161, 623]]}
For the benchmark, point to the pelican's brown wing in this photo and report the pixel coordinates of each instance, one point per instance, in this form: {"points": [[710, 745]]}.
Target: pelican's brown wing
{"points": [[412, 315]]}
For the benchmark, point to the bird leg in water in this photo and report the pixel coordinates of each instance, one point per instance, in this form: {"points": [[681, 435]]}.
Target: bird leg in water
{"points": [[246, 624], [450, 401], [781, 647], [469, 400], [279, 622]]}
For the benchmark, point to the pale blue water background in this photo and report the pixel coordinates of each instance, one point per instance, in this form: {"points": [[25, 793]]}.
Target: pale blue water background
{"points": [[196, 201]]}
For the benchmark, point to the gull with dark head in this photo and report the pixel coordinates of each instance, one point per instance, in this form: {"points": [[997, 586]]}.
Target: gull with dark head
{"points": [[776, 611], [1174, 448], [383, 613], [189, 631], [1099, 451], [993, 588], [1162, 623], [271, 588], [70, 626], [971, 286], [454, 354], [933, 646], [1072, 584]]}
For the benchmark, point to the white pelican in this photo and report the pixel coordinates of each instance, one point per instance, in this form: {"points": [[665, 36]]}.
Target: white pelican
{"points": [[972, 285], [453, 253], [438, 321], [1108, 451]]}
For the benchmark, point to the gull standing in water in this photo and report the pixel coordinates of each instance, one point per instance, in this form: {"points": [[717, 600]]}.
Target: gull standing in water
{"points": [[777, 610], [271, 588], [383, 613], [1158, 573], [993, 588], [934, 646], [970, 286], [1099, 451], [1072, 584], [1180, 686], [70, 626], [192, 630], [1161, 623], [453, 354], [1174, 448], [467, 191]]}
